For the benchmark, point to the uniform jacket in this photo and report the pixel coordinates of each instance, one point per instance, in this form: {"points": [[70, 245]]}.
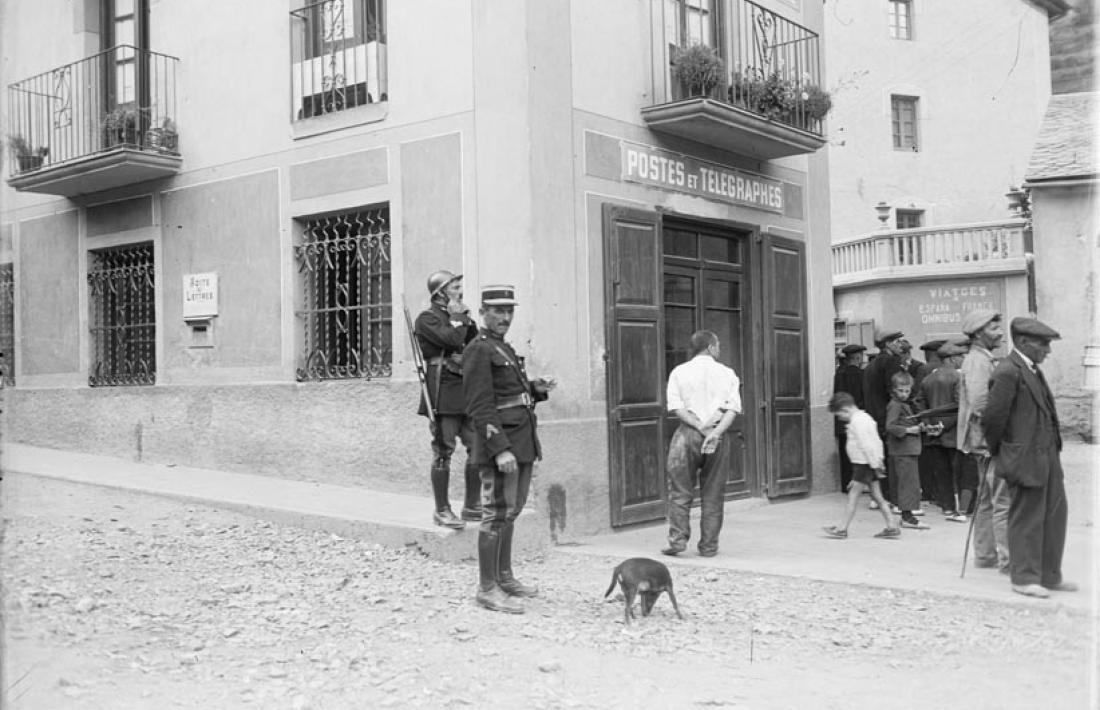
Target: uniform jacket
{"points": [[876, 386], [492, 372], [974, 375], [898, 441], [1021, 424], [938, 389], [442, 344]]}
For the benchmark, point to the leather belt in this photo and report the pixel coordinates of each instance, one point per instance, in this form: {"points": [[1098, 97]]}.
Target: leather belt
{"points": [[519, 400], [437, 360]]}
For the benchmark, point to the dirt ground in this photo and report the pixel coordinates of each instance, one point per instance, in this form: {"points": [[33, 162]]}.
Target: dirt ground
{"points": [[117, 600]]}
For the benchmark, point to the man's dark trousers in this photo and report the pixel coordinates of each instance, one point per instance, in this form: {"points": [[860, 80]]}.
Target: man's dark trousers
{"points": [[1037, 530], [686, 464]]}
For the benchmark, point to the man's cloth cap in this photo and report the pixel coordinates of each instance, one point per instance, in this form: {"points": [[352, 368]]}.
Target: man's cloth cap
{"points": [[933, 345], [499, 295], [978, 319], [852, 348], [883, 336], [1033, 327], [954, 347]]}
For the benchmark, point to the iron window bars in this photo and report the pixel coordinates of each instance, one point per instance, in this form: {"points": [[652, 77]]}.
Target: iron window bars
{"points": [[7, 325], [346, 313], [123, 327]]}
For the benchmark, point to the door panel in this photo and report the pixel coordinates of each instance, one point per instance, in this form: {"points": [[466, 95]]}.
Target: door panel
{"points": [[787, 367], [635, 348]]}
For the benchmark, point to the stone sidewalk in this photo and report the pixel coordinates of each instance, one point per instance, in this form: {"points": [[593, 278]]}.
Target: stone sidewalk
{"points": [[775, 538]]}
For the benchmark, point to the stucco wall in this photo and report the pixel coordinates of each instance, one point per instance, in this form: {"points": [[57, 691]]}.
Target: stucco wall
{"points": [[980, 70], [1065, 225], [47, 281]]}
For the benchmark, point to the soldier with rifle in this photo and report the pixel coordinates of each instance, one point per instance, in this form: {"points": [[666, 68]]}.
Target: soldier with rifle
{"points": [[440, 334]]}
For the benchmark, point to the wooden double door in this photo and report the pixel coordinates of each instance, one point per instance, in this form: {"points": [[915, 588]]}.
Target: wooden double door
{"points": [[666, 278]]}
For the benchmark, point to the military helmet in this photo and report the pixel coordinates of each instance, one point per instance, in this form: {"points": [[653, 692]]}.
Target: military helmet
{"points": [[439, 280]]}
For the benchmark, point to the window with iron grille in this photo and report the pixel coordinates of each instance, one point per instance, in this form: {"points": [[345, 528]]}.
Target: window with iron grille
{"points": [[901, 19], [903, 117], [7, 325], [338, 56], [346, 313], [124, 324], [909, 219]]}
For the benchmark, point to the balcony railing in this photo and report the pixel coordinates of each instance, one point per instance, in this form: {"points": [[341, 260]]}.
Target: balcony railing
{"points": [[942, 251], [338, 56], [770, 102], [123, 97]]}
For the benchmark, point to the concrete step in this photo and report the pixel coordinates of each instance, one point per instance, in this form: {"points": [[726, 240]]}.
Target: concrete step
{"points": [[390, 519]]}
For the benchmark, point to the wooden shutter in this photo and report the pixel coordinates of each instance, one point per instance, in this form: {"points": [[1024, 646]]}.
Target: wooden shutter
{"points": [[635, 372], [787, 367]]}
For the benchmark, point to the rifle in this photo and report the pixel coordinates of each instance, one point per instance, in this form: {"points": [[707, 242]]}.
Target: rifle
{"points": [[418, 361]]}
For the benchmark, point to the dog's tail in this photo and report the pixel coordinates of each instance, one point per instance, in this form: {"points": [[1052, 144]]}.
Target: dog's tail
{"points": [[614, 578]]}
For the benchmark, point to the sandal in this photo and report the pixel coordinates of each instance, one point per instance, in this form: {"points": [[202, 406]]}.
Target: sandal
{"points": [[889, 533], [835, 532]]}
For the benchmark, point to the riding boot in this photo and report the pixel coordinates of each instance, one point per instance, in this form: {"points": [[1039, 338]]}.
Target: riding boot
{"points": [[489, 593], [508, 583], [471, 508], [441, 478]]}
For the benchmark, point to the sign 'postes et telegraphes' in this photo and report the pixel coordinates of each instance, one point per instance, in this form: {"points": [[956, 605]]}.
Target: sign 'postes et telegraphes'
{"points": [[675, 171]]}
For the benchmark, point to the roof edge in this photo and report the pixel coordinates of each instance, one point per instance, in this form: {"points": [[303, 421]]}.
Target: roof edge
{"points": [[1054, 8]]}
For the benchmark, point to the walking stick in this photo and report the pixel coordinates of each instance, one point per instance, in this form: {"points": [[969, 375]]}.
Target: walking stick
{"points": [[970, 528], [418, 362]]}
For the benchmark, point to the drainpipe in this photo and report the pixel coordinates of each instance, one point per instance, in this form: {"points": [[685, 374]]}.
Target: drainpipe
{"points": [[1019, 203]]}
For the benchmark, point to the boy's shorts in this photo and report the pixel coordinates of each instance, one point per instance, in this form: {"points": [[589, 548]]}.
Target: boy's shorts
{"points": [[863, 473]]}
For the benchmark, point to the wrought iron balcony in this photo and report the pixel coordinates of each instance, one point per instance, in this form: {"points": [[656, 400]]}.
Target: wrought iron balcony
{"points": [[770, 103], [101, 122], [909, 254]]}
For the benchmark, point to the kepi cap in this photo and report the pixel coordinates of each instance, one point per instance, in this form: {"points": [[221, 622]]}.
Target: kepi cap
{"points": [[1033, 327], [933, 345], [499, 295], [883, 335], [852, 348], [959, 346], [977, 319]]}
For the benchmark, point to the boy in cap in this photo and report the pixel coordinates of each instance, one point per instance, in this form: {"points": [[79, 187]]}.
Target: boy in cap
{"points": [[1021, 428], [940, 391], [986, 332]]}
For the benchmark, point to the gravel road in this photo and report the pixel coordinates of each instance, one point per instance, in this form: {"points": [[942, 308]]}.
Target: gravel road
{"points": [[118, 600]]}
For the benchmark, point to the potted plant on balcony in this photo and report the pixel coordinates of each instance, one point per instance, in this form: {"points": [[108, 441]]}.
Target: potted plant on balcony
{"points": [[698, 68], [163, 137], [121, 126], [27, 157], [816, 101]]}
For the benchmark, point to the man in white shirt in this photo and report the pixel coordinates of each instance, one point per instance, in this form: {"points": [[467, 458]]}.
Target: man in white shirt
{"points": [[705, 395]]}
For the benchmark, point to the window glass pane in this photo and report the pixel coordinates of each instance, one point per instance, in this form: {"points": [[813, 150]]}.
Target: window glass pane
{"points": [[678, 243], [720, 249], [124, 7], [679, 325], [721, 294], [124, 32], [679, 289], [124, 78]]}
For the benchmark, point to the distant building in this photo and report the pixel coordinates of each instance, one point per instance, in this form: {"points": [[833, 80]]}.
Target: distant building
{"points": [[924, 142], [1063, 179]]}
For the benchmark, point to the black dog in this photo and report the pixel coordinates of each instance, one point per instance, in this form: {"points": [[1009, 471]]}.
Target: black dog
{"points": [[640, 574]]}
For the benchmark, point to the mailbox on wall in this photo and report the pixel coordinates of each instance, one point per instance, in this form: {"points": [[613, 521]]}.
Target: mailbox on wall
{"points": [[200, 307]]}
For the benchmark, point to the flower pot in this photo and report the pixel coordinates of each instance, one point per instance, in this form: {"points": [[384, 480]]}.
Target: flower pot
{"points": [[29, 162]]}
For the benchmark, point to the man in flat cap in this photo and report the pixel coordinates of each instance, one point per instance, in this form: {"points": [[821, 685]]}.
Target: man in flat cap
{"points": [[940, 391], [986, 332], [848, 378], [876, 388], [500, 399], [1021, 428], [442, 331]]}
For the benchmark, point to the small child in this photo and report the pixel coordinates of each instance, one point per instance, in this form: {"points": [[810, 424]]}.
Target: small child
{"points": [[864, 448], [903, 446]]}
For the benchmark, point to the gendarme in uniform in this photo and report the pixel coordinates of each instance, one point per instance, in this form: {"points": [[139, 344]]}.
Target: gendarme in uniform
{"points": [[500, 401]]}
